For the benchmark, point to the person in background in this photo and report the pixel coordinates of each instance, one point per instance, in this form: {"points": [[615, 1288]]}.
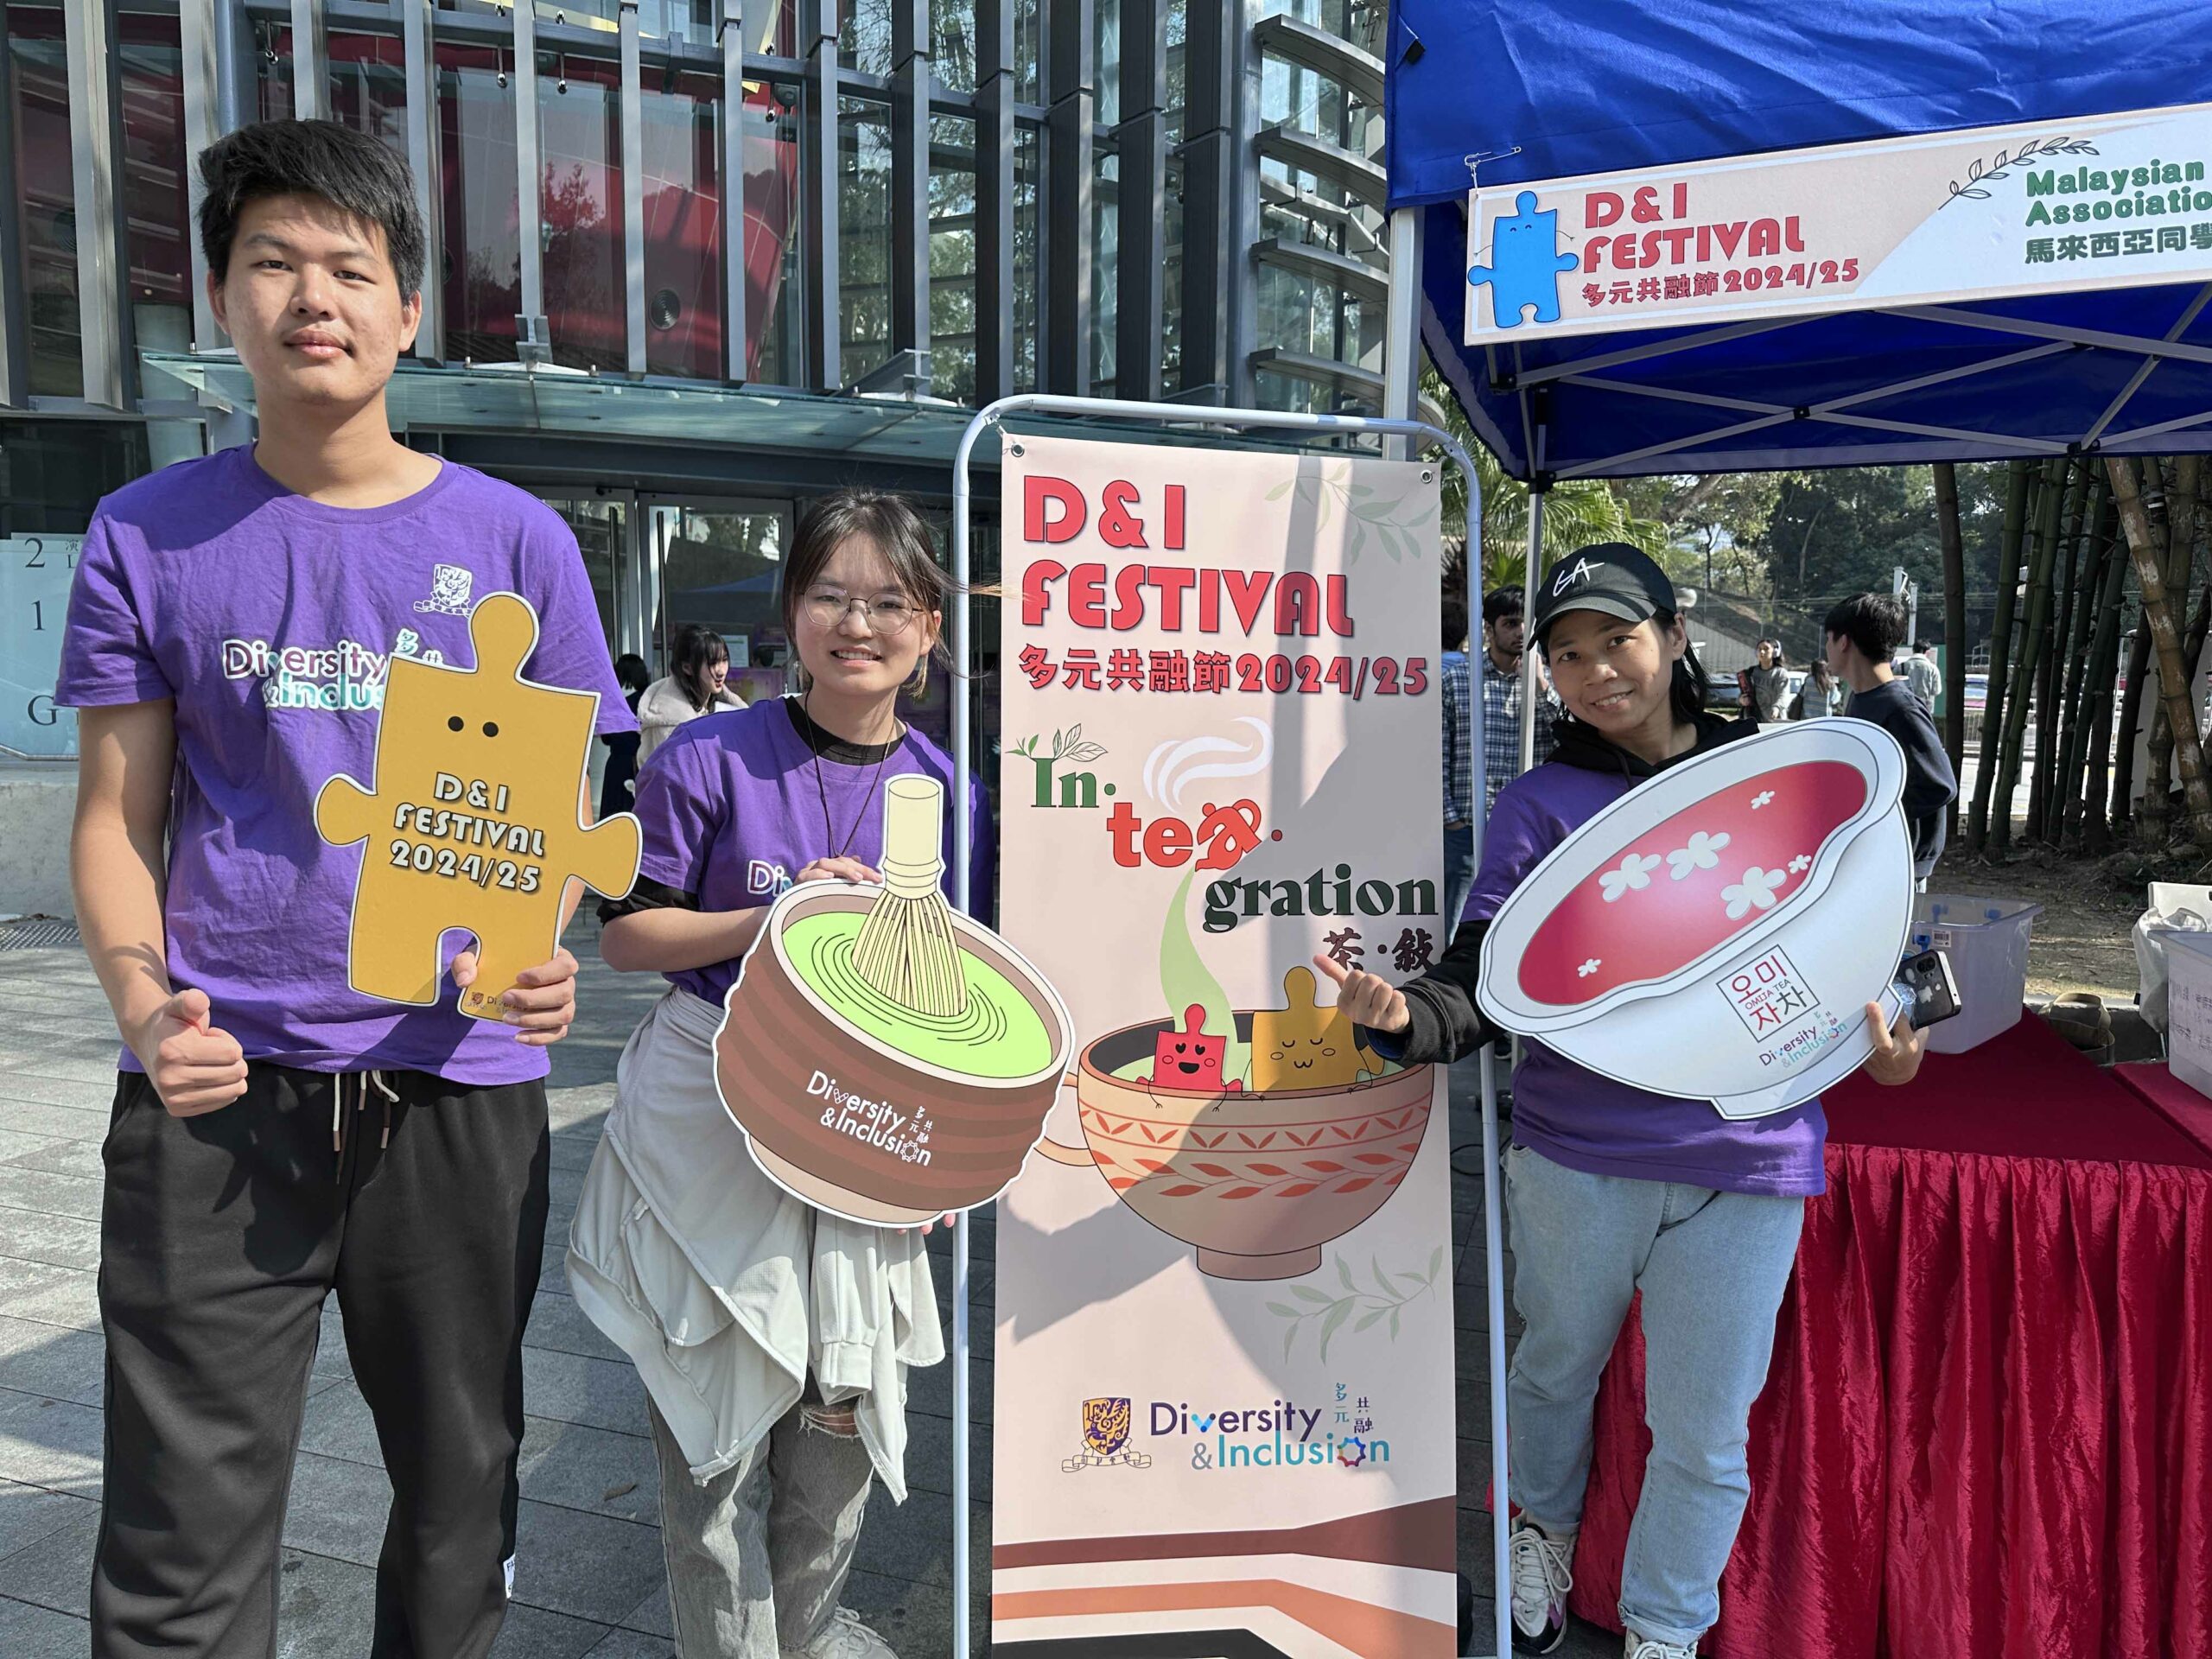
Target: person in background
{"points": [[1767, 685], [1922, 678], [697, 683], [1613, 1191], [1861, 634], [614, 792], [1458, 763], [277, 1136], [1504, 638], [1821, 695]]}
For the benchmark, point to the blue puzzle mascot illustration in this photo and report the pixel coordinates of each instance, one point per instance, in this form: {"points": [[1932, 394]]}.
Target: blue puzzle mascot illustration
{"points": [[1525, 263]]}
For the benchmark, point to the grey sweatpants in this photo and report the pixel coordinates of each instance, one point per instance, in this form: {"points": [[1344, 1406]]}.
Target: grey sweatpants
{"points": [[758, 1556]]}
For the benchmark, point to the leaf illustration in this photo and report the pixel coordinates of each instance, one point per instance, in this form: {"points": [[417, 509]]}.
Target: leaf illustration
{"points": [[1282, 1310], [1288, 1337], [1280, 490], [1973, 172], [1366, 1320], [1307, 1294], [1344, 1272], [1394, 1325], [1082, 752], [1332, 1325], [1978, 195], [1435, 1260], [1381, 1283]]}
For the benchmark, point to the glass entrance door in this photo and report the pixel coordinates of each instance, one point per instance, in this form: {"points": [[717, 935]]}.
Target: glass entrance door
{"points": [[717, 564]]}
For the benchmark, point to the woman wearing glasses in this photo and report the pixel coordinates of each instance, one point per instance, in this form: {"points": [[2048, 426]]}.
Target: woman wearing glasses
{"points": [[773, 1339]]}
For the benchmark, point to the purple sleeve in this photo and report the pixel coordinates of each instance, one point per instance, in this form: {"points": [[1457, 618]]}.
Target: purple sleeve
{"points": [[681, 809], [982, 854], [571, 641], [1515, 841], [106, 657]]}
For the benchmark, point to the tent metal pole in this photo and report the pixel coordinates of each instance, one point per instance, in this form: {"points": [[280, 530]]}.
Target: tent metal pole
{"points": [[1198, 415], [1401, 335], [1528, 580]]}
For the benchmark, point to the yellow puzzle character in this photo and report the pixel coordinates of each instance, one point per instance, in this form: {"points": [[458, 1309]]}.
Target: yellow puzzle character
{"points": [[1303, 1047], [473, 823]]}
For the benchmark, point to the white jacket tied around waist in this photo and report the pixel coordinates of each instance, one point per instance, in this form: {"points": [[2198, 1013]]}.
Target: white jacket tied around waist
{"points": [[723, 1289]]}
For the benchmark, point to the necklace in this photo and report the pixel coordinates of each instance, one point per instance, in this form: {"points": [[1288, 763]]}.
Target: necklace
{"points": [[838, 848]]}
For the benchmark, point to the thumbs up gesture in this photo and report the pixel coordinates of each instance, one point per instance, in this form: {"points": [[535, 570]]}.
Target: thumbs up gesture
{"points": [[195, 1065]]}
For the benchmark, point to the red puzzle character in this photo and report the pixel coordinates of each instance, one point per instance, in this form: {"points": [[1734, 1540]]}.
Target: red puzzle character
{"points": [[1189, 1061]]}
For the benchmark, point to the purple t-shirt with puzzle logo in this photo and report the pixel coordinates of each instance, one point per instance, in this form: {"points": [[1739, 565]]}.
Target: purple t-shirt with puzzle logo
{"points": [[269, 619], [734, 805]]}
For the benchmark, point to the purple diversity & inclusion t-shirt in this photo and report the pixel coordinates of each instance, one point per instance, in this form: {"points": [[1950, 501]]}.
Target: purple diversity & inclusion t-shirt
{"points": [[733, 807], [269, 619], [1575, 1118]]}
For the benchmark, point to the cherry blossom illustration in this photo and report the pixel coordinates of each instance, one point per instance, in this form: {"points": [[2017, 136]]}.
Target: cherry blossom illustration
{"points": [[1702, 854], [1635, 871], [1755, 892]]}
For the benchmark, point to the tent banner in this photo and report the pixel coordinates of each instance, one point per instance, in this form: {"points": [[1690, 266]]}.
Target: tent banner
{"points": [[2036, 207], [1224, 1372]]}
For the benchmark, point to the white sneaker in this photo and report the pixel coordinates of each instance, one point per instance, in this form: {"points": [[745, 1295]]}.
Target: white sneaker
{"points": [[843, 1638], [1541, 1579], [1642, 1647]]}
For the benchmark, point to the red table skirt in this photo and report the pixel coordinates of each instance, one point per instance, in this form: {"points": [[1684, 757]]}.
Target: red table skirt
{"points": [[1988, 1430]]}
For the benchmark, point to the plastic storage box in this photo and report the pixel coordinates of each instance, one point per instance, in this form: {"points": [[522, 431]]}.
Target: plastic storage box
{"points": [[1986, 940], [2188, 1008]]}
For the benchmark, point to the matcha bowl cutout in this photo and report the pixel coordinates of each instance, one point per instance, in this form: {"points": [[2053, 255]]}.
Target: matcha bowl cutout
{"points": [[888, 1058]]}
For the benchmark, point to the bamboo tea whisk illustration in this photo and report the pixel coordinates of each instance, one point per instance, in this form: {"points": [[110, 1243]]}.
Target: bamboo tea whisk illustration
{"points": [[905, 948]]}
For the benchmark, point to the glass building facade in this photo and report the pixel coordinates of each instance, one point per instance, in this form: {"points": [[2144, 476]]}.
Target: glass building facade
{"points": [[692, 261]]}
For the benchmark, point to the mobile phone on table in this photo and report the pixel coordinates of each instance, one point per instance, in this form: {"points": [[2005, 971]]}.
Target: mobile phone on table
{"points": [[1930, 993]]}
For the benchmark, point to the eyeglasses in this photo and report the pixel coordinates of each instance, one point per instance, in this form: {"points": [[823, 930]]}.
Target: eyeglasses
{"points": [[887, 613]]}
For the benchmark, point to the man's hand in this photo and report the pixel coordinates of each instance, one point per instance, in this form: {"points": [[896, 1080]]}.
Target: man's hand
{"points": [[542, 1001], [1368, 999], [1897, 1050], [195, 1065]]}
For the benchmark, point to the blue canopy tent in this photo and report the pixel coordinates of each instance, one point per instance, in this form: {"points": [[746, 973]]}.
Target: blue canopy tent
{"points": [[1528, 91], [1603, 85]]}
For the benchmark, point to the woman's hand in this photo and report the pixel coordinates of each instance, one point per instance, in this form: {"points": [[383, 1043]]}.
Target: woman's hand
{"points": [[945, 1221], [1898, 1049], [838, 869], [1367, 999]]}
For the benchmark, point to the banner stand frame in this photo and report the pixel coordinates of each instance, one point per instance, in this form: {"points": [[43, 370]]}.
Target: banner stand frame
{"points": [[1201, 415]]}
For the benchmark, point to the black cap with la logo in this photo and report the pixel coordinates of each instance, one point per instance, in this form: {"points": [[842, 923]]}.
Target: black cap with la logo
{"points": [[1611, 577]]}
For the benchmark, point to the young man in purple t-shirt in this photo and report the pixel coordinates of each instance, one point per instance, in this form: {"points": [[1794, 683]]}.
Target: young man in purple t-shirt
{"points": [[275, 1135]]}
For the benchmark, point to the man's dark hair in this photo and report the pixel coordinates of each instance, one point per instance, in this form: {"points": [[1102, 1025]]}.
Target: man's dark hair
{"points": [[1502, 601], [1873, 623], [348, 169], [1455, 623]]}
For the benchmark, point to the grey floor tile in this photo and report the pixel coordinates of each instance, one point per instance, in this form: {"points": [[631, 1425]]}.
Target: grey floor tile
{"points": [[30, 1513], [337, 1424], [587, 1565], [596, 1393], [32, 1632], [48, 1119], [50, 1295], [324, 1606], [46, 1359], [15, 1144], [651, 1615], [558, 1323], [592, 1469], [78, 1158], [49, 1442], [338, 1508], [43, 1191], [20, 1089], [56, 1572], [534, 1633], [914, 1618], [633, 1644], [62, 1241], [74, 1067]]}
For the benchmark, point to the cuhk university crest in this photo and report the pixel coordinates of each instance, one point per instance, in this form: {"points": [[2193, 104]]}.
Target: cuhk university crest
{"points": [[1105, 1433]]}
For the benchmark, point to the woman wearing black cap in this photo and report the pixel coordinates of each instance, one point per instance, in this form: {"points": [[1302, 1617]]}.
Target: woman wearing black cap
{"points": [[1612, 1189]]}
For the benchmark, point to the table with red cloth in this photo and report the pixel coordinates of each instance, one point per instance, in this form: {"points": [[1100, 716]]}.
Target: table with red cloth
{"points": [[1988, 1430]]}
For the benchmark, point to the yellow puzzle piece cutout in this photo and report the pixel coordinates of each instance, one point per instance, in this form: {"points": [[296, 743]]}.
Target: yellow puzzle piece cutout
{"points": [[1303, 1047], [473, 822]]}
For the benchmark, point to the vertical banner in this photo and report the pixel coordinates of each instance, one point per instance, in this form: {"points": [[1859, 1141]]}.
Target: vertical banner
{"points": [[1225, 1362]]}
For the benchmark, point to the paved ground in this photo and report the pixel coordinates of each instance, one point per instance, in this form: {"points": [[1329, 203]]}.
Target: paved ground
{"points": [[590, 1576]]}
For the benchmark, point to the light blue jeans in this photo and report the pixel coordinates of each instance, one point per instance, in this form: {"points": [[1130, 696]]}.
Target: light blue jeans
{"points": [[1459, 879], [1711, 1267]]}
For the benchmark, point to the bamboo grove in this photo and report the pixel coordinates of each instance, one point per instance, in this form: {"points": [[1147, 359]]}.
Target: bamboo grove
{"points": [[2084, 536]]}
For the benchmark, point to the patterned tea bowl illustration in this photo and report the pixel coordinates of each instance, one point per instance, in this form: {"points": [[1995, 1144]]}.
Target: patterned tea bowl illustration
{"points": [[1256, 1183]]}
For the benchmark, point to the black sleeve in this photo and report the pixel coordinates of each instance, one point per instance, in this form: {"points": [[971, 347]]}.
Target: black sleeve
{"points": [[1445, 1023], [1929, 784], [648, 894]]}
